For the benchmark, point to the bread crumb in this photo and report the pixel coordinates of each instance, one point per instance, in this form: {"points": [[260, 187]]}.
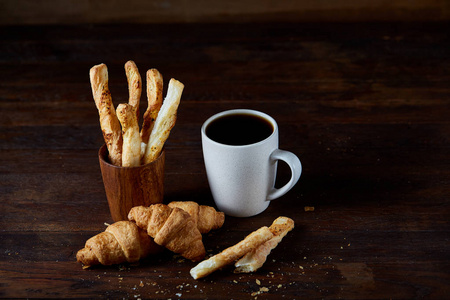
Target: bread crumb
{"points": [[258, 282], [309, 208], [261, 290]]}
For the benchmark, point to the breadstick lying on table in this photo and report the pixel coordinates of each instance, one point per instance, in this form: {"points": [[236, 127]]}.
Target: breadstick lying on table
{"points": [[155, 99], [164, 122], [108, 120], [131, 150], [134, 85], [229, 255], [254, 259]]}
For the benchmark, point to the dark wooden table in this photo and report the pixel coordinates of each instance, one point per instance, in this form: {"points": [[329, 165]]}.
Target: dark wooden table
{"points": [[366, 107]]}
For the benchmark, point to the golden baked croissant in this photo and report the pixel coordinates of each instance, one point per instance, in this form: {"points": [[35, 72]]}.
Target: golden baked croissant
{"points": [[170, 227], [121, 242], [205, 217]]}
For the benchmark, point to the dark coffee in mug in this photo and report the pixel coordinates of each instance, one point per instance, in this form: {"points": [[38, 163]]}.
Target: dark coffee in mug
{"points": [[239, 129]]}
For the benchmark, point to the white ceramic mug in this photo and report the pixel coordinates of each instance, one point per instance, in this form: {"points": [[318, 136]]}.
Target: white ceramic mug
{"points": [[242, 177]]}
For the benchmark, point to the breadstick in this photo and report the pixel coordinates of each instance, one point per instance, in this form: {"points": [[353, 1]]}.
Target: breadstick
{"points": [[108, 120], [254, 259], [164, 122], [134, 85], [232, 253], [155, 99], [131, 150]]}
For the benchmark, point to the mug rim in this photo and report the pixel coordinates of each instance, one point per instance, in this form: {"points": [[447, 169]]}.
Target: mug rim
{"points": [[240, 111]]}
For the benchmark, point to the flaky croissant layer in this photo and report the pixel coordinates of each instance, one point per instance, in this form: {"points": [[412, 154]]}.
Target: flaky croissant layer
{"points": [[121, 242], [205, 217], [172, 228]]}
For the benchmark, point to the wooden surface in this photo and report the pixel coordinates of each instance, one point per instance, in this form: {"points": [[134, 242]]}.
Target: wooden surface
{"points": [[19, 12], [364, 106]]}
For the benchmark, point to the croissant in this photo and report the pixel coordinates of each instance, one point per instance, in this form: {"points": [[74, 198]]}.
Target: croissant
{"points": [[121, 242], [205, 217], [170, 227]]}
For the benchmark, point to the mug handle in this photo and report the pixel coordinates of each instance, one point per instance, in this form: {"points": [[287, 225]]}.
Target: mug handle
{"points": [[296, 170]]}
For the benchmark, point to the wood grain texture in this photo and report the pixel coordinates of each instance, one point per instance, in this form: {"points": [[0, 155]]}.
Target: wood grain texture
{"points": [[365, 106], [178, 11]]}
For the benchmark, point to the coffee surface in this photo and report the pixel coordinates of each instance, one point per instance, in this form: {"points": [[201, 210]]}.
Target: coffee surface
{"points": [[239, 129]]}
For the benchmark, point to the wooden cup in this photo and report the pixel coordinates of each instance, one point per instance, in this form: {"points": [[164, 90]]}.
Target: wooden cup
{"points": [[127, 187]]}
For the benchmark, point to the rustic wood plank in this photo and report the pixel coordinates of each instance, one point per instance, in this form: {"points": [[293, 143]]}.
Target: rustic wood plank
{"points": [[310, 111], [310, 277], [139, 11], [326, 137]]}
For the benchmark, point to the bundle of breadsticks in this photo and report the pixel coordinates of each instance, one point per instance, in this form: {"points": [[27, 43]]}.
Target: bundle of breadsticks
{"points": [[127, 146]]}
